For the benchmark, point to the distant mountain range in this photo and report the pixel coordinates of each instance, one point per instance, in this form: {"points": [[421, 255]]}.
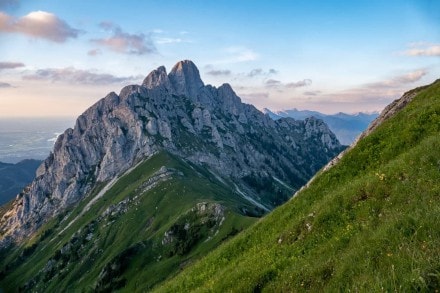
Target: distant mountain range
{"points": [[347, 127], [14, 177]]}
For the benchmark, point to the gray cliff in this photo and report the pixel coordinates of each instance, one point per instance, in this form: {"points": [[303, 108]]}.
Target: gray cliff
{"points": [[177, 113]]}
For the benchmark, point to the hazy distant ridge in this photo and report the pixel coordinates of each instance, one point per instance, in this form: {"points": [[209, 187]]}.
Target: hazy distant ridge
{"points": [[14, 177], [346, 126]]}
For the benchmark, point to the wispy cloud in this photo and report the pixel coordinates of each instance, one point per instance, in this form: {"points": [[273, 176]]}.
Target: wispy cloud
{"points": [[5, 85], [126, 43], [255, 72], [77, 76], [424, 50], [255, 96], [380, 92], [215, 72], [237, 54], [162, 37], [260, 72], [38, 24], [399, 80], [311, 93], [273, 83], [169, 40], [301, 83], [94, 52], [10, 65], [242, 54]]}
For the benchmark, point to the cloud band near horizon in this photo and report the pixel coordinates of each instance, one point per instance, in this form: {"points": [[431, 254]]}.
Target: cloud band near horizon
{"points": [[77, 76]]}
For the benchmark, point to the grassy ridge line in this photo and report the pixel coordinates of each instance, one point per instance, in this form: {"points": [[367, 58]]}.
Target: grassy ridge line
{"points": [[368, 224], [142, 226]]}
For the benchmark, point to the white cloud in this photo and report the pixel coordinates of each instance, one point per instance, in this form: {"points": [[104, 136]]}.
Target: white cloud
{"points": [[398, 81], [162, 37], [425, 50], [379, 93], [126, 43], [237, 55], [272, 83], [242, 54], [410, 77], [77, 76], [168, 40], [38, 24]]}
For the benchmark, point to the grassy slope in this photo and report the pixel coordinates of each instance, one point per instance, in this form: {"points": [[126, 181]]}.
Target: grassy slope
{"points": [[369, 224], [141, 227]]}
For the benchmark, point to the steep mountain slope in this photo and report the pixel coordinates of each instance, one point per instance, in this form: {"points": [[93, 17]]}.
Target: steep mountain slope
{"points": [[14, 177], [346, 127], [152, 222], [369, 223], [176, 112], [150, 179]]}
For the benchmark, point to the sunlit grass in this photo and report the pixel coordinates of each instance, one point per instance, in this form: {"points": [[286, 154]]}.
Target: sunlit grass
{"points": [[369, 224]]}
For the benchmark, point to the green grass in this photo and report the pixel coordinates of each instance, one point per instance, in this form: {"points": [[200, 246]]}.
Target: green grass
{"points": [[369, 224], [133, 237]]}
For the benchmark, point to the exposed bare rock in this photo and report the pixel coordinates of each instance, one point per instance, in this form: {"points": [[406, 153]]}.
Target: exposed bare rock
{"points": [[158, 78], [205, 125], [185, 78]]}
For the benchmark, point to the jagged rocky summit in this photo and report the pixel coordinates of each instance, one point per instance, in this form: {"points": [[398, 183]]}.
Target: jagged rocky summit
{"points": [[175, 112]]}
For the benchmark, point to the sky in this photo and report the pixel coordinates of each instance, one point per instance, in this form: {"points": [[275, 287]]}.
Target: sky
{"points": [[57, 58]]}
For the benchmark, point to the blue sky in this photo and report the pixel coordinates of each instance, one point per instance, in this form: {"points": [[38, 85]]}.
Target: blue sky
{"points": [[59, 57]]}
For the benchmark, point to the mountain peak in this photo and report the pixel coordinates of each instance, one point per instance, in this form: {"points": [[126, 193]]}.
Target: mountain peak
{"points": [[157, 77], [185, 78], [205, 125]]}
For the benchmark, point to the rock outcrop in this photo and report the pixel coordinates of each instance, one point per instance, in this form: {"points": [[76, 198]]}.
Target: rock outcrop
{"points": [[205, 125]]}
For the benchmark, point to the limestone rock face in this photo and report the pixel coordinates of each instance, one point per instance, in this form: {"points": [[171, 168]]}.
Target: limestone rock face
{"points": [[185, 78], [157, 78], [177, 113]]}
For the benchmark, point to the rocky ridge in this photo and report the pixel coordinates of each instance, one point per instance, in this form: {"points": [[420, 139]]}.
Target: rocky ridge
{"points": [[346, 127], [176, 112]]}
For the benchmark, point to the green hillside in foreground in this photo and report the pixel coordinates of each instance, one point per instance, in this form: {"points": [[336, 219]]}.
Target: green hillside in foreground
{"points": [[369, 224], [152, 222]]}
